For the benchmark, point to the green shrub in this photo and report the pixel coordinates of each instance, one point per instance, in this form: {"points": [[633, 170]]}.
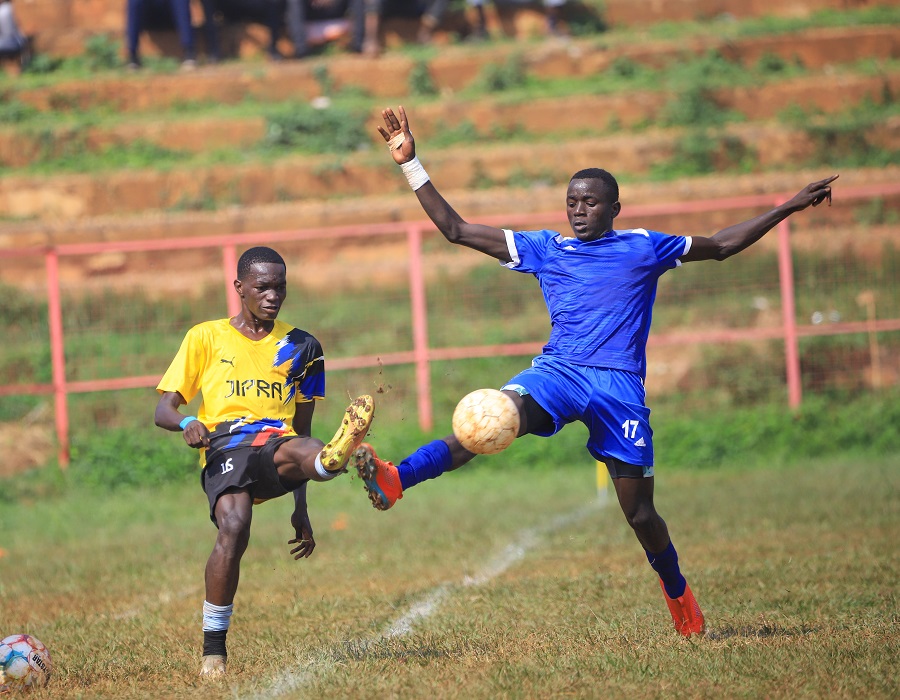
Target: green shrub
{"points": [[114, 458], [421, 84], [333, 129], [13, 111], [101, 52], [497, 77]]}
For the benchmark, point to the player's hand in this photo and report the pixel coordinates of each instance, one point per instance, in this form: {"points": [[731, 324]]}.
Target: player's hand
{"points": [[813, 194], [305, 544], [196, 434], [392, 129]]}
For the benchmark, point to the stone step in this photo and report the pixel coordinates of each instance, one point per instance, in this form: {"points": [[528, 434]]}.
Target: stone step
{"points": [[557, 125], [323, 178], [833, 229], [62, 27], [451, 70], [561, 116]]}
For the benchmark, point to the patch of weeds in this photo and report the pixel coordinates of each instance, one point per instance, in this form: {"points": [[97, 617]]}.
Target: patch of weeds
{"points": [[420, 82], [711, 70], [203, 201], [847, 138], [480, 178], [101, 52], [44, 64], [13, 111], [585, 18], [692, 107], [498, 77], [702, 151], [771, 64], [323, 78], [464, 132], [625, 67], [329, 130]]}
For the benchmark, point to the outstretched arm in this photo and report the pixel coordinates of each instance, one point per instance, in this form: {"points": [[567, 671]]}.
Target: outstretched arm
{"points": [[487, 239], [732, 240]]}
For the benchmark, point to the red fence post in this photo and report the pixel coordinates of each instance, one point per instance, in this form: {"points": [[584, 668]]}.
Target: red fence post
{"points": [[57, 357], [789, 314], [229, 266], [419, 327]]}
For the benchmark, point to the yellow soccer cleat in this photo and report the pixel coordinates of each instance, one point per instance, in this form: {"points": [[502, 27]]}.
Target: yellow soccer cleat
{"points": [[354, 428]]}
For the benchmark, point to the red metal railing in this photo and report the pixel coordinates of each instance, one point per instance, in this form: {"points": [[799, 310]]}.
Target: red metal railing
{"points": [[421, 355]]}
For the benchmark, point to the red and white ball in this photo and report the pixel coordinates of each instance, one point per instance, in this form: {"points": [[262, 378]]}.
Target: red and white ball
{"points": [[24, 663], [486, 421]]}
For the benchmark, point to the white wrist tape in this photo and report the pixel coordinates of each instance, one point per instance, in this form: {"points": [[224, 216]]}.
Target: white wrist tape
{"points": [[415, 173]]}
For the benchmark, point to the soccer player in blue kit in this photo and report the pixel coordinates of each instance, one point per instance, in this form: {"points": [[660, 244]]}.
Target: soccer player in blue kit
{"points": [[599, 285]]}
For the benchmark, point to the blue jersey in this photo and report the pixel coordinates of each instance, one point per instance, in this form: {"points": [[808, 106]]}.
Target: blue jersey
{"points": [[599, 293]]}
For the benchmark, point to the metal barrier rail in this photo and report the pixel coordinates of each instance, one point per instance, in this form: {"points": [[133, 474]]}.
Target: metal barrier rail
{"points": [[421, 355]]}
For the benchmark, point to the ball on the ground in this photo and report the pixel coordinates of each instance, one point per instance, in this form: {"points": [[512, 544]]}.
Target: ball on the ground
{"points": [[486, 421], [24, 663]]}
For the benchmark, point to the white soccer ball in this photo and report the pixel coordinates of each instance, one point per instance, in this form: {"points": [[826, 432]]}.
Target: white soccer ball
{"points": [[486, 421], [24, 663]]}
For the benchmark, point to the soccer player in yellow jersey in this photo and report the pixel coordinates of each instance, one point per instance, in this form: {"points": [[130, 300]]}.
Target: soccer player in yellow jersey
{"points": [[259, 378]]}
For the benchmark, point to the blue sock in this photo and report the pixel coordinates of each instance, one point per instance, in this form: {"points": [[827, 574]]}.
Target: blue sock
{"points": [[428, 462], [665, 563]]}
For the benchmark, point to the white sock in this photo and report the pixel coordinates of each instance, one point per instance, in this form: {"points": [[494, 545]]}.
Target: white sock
{"points": [[322, 471]]}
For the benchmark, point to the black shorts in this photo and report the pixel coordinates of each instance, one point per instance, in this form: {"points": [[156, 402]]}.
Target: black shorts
{"points": [[245, 467]]}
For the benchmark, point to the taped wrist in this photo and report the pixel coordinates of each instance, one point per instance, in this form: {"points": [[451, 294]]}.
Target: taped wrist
{"points": [[415, 173]]}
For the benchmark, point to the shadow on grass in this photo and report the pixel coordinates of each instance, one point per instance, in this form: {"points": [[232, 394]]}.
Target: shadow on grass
{"points": [[764, 632]]}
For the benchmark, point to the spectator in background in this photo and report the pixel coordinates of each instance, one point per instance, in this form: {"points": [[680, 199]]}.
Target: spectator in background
{"points": [[430, 13], [551, 11], [269, 13], [211, 30], [362, 18], [143, 13], [13, 43]]}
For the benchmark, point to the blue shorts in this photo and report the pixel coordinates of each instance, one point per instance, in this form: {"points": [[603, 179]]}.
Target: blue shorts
{"points": [[609, 402]]}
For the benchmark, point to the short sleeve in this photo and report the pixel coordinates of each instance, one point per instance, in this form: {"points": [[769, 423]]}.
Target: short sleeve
{"points": [[668, 248], [528, 249], [183, 374]]}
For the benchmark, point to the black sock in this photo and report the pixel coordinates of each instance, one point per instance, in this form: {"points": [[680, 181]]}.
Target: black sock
{"points": [[214, 643]]}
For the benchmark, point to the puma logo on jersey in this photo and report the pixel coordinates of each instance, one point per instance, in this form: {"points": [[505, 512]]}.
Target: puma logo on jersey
{"points": [[227, 362]]}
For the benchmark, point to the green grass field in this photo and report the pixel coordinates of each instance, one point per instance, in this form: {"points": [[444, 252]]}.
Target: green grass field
{"points": [[500, 580]]}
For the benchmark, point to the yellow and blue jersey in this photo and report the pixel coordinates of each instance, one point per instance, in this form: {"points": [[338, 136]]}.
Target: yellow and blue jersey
{"points": [[252, 385]]}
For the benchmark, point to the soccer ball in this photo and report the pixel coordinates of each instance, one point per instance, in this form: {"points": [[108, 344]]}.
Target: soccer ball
{"points": [[24, 663], [486, 421]]}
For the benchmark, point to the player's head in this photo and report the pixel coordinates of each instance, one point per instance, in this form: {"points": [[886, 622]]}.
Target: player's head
{"points": [[261, 282], [592, 202], [257, 255]]}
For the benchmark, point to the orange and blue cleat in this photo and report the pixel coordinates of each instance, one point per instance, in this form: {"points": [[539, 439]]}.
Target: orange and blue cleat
{"points": [[686, 614], [382, 480]]}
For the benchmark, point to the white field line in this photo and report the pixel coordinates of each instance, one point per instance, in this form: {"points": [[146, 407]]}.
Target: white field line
{"points": [[322, 661]]}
